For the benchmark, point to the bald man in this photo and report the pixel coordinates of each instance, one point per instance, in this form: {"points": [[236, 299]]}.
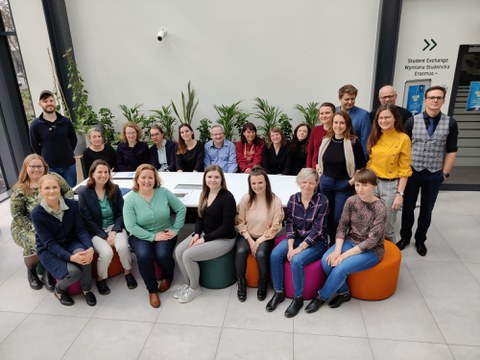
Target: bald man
{"points": [[388, 95]]}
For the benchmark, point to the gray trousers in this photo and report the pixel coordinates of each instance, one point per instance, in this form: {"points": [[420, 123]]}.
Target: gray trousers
{"points": [[76, 272], [187, 257], [386, 191]]}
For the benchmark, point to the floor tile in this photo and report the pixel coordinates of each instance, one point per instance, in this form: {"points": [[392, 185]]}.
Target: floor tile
{"points": [[109, 339], [403, 316], [9, 321], [175, 342], [400, 350], [49, 337], [475, 270], [244, 344], [323, 347], [452, 294], [465, 352]]}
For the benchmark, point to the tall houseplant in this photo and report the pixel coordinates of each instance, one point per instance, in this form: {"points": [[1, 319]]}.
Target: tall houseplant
{"points": [[136, 115], [270, 116], [204, 130], [230, 117], [309, 112], [166, 120], [189, 105]]}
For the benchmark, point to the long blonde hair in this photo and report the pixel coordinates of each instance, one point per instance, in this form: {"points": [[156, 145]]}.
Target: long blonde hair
{"points": [[23, 183]]}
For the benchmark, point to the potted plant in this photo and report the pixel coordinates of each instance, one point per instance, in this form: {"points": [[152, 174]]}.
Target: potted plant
{"points": [[271, 116], [310, 113], [166, 120], [204, 129], [135, 115], [230, 117], [189, 105]]}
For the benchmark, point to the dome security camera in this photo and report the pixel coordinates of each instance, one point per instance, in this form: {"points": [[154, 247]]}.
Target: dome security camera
{"points": [[161, 34]]}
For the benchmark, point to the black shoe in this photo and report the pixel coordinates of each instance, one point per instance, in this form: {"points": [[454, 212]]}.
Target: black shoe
{"points": [[242, 289], [277, 298], [63, 297], [33, 280], [421, 249], [339, 299], [48, 280], [131, 282], [294, 307], [401, 244], [262, 290], [102, 287], [314, 305], [90, 298]]}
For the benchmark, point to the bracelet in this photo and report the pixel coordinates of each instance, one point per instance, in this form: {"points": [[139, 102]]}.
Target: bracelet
{"points": [[400, 192]]}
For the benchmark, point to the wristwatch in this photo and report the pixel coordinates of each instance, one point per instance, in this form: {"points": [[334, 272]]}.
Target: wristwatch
{"points": [[446, 174], [400, 192]]}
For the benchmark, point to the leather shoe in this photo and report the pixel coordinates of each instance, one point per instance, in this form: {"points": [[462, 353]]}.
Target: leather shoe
{"points": [[277, 298], [131, 282], [90, 298], [314, 305], [63, 297], [102, 287], [241, 290], [48, 280], [294, 307], [154, 300], [421, 249], [402, 243], [339, 299], [164, 285], [262, 290], [33, 280]]}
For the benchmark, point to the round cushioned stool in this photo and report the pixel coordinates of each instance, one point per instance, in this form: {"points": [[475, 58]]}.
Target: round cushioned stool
{"points": [[218, 273], [74, 289], [314, 277], [158, 270], [115, 268], [380, 281], [252, 274]]}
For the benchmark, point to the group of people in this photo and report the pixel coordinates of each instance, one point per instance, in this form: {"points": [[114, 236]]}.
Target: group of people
{"points": [[401, 158]]}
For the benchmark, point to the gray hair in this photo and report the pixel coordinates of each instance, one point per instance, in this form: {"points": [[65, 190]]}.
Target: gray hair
{"points": [[306, 174]]}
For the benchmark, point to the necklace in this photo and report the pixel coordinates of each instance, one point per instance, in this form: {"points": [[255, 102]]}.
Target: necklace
{"points": [[337, 141]]}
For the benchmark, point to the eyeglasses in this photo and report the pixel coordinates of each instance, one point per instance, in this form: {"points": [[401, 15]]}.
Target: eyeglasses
{"points": [[35, 167], [386, 97], [438, 98]]}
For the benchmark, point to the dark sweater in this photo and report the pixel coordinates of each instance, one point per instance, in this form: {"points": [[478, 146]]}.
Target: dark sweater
{"points": [[298, 158], [218, 219], [55, 141], [92, 214], [170, 149], [108, 154], [192, 159], [277, 163], [129, 158], [334, 163]]}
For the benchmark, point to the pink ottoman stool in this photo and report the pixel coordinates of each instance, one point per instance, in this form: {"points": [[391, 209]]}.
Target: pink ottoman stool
{"points": [[158, 271], [314, 277], [74, 289]]}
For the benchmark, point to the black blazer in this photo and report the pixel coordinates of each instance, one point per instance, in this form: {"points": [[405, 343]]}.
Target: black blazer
{"points": [[92, 214], [171, 150]]}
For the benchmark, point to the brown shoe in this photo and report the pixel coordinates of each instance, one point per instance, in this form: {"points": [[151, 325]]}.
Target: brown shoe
{"points": [[154, 300], [164, 285]]}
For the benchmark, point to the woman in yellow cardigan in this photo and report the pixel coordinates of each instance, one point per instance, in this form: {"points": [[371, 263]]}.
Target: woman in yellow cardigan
{"points": [[389, 149]]}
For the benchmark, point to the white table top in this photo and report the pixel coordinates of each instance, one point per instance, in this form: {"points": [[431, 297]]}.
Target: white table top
{"points": [[188, 185]]}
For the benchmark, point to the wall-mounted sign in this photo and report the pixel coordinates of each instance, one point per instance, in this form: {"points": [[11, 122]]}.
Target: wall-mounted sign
{"points": [[414, 93], [473, 101]]}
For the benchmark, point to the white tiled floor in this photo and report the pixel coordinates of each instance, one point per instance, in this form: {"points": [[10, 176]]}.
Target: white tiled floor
{"points": [[435, 313]]}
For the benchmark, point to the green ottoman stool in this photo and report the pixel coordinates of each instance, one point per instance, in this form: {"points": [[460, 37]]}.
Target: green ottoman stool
{"points": [[218, 273]]}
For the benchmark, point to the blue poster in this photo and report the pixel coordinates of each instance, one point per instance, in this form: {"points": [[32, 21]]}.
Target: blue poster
{"points": [[473, 101], [415, 98]]}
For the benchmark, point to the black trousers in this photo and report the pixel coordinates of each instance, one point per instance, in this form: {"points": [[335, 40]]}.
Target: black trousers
{"points": [[262, 256]]}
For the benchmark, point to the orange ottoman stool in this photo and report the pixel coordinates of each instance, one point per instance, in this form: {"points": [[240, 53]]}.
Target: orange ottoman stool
{"points": [[380, 281], [115, 268], [252, 274]]}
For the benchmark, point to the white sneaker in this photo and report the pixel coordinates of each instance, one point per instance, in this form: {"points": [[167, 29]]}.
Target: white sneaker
{"points": [[188, 295], [180, 291]]}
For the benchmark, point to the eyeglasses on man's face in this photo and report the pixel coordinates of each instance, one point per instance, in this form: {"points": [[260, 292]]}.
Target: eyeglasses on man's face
{"points": [[435, 98]]}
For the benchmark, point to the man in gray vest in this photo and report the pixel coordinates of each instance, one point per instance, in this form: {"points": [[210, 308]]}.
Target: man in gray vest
{"points": [[434, 149]]}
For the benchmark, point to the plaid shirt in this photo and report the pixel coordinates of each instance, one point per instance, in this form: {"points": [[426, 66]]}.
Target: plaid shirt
{"points": [[310, 224]]}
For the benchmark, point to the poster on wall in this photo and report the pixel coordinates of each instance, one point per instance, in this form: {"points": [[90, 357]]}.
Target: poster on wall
{"points": [[473, 100], [413, 94]]}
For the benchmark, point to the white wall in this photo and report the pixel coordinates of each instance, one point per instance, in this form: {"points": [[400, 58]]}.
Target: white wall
{"points": [[288, 52], [449, 23]]}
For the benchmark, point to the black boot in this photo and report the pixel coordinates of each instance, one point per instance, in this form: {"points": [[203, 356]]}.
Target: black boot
{"points": [[294, 307], [33, 279], [48, 280], [242, 289], [262, 290]]}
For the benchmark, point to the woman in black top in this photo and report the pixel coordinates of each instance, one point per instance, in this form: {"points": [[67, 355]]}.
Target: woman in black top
{"points": [[276, 157], [214, 233], [190, 152], [98, 149], [340, 156], [299, 148], [131, 152]]}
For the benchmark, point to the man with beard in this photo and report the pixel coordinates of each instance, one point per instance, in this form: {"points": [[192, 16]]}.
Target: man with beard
{"points": [[53, 137]]}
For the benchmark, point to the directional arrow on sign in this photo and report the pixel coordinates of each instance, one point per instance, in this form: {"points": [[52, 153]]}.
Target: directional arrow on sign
{"points": [[428, 44]]}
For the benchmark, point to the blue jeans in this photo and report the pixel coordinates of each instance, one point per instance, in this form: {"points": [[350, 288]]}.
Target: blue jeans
{"points": [[429, 183], [148, 251], [337, 276], [69, 173], [337, 193], [305, 257]]}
